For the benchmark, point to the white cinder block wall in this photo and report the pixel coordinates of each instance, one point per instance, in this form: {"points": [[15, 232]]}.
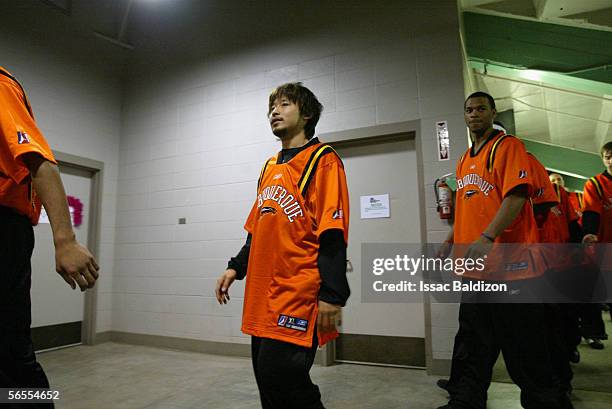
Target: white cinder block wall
{"points": [[77, 104], [195, 135]]}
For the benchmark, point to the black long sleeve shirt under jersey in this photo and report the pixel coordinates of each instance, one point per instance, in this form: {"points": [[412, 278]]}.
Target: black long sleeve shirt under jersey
{"points": [[331, 260]]}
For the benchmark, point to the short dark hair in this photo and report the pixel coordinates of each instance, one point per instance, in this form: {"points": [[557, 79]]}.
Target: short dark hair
{"points": [[607, 147], [308, 103], [480, 94]]}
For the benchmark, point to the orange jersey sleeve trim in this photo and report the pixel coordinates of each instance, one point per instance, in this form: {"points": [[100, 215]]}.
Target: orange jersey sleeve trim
{"points": [[512, 166], [592, 196], [329, 197], [543, 190]]}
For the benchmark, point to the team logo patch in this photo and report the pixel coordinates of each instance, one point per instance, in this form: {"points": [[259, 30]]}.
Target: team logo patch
{"points": [[338, 214], [287, 321], [522, 174], [22, 138], [267, 210], [470, 193]]}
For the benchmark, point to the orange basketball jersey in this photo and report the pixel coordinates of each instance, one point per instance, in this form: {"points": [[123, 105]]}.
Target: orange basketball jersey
{"points": [[598, 199], [19, 135], [296, 202], [577, 200], [484, 178], [555, 228], [543, 191]]}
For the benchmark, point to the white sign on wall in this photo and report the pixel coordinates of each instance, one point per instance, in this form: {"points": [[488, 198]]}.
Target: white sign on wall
{"points": [[75, 206], [443, 140], [375, 206]]}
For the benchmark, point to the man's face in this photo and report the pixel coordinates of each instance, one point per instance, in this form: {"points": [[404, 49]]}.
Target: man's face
{"points": [[556, 179], [285, 118], [606, 157], [478, 114]]}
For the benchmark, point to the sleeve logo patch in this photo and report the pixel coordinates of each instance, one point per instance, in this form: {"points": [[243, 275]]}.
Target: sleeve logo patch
{"points": [[22, 138], [522, 174], [292, 323], [521, 265], [338, 214]]}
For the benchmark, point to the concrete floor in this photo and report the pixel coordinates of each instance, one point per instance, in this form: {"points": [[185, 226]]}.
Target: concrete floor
{"points": [[120, 376]]}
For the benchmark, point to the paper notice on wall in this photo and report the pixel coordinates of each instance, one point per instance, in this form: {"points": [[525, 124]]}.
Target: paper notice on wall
{"points": [[375, 206], [443, 140], [44, 217]]}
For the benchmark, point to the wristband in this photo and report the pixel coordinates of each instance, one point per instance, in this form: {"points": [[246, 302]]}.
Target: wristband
{"points": [[491, 239]]}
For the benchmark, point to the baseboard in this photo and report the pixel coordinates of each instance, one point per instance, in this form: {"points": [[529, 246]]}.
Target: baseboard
{"points": [[377, 349], [439, 367], [191, 345], [102, 337], [182, 344], [57, 335]]}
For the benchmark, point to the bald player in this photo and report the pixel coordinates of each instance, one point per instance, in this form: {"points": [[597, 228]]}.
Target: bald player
{"points": [[575, 198]]}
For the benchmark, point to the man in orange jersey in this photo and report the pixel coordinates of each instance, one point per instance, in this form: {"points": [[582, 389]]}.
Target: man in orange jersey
{"points": [[597, 225], [575, 198], [29, 177], [494, 182], [558, 223], [294, 258]]}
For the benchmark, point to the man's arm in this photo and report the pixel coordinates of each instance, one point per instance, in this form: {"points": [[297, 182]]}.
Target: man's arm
{"points": [[241, 261], [332, 268], [236, 270], [510, 208], [334, 291], [590, 225], [73, 262]]}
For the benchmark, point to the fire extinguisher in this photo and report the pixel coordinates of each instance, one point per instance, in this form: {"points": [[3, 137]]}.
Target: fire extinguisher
{"points": [[444, 197]]}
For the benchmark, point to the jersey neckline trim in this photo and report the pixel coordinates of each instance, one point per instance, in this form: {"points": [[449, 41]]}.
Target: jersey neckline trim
{"points": [[489, 138], [313, 141]]}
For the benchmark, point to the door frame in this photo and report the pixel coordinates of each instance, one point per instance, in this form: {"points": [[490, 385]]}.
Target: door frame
{"points": [[96, 168], [407, 130]]}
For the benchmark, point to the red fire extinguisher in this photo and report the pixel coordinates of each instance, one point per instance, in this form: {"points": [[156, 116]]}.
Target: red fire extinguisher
{"points": [[444, 197]]}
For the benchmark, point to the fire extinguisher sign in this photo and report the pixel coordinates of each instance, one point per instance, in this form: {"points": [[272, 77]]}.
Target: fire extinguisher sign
{"points": [[443, 140]]}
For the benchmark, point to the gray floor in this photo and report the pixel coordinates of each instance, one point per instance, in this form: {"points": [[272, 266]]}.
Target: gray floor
{"points": [[119, 376]]}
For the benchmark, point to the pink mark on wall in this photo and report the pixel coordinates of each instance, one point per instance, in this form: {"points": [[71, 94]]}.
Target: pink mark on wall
{"points": [[76, 207]]}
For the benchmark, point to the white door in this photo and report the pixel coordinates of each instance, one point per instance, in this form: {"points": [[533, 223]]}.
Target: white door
{"points": [[57, 310], [374, 169]]}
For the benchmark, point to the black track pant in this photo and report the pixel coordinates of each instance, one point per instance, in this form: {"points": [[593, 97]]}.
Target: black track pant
{"points": [[282, 374], [18, 365], [523, 334], [591, 321]]}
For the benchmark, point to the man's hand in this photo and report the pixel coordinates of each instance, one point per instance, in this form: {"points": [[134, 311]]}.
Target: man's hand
{"points": [[479, 248], [589, 238], [76, 265], [223, 284], [328, 314]]}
